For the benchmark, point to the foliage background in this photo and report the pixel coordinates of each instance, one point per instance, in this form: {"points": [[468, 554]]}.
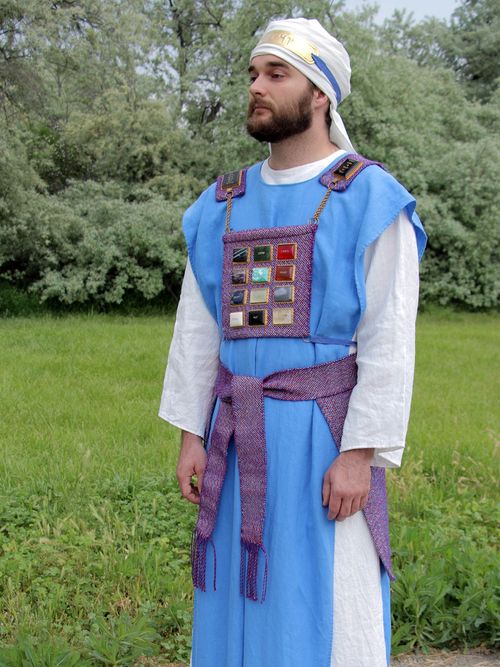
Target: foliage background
{"points": [[115, 114]]}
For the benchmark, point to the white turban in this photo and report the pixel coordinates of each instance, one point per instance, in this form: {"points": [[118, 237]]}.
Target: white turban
{"points": [[307, 46]]}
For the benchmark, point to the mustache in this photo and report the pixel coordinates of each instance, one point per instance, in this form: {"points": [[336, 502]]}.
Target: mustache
{"points": [[253, 104]]}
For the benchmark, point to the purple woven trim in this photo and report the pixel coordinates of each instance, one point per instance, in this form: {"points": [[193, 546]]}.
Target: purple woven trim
{"points": [[343, 183], [377, 518], [376, 513], [241, 413], [303, 236], [238, 191]]}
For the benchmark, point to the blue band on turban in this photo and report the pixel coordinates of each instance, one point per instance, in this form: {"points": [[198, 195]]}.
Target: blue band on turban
{"points": [[324, 68]]}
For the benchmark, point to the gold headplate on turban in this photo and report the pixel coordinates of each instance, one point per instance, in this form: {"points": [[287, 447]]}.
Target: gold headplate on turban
{"points": [[294, 43]]}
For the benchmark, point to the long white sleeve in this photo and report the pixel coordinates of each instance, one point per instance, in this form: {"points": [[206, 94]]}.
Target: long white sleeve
{"points": [[192, 361], [379, 408]]}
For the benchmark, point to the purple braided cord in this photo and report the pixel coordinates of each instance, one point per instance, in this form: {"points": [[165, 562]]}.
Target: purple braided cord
{"points": [[241, 413]]}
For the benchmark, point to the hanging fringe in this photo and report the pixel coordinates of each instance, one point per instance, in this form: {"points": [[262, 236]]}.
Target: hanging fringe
{"points": [[250, 553], [199, 560]]}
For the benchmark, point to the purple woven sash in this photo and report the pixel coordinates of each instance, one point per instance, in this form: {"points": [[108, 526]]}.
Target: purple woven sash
{"points": [[241, 415]]}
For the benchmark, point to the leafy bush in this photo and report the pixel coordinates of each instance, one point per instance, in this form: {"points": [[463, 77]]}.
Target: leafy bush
{"points": [[91, 245], [101, 140]]}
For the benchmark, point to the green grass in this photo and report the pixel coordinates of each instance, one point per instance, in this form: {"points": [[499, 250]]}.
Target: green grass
{"points": [[94, 538], [444, 500]]}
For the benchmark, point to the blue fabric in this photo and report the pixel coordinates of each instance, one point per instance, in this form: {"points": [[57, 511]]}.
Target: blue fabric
{"points": [[293, 627], [320, 63], [386, 610], [324, 340]]}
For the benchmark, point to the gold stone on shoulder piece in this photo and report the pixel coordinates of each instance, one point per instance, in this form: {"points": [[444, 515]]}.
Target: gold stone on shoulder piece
{"points": [[282, 316], [236, 319]]}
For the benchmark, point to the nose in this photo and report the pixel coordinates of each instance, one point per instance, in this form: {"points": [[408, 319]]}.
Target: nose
{"points": [[257, 86]]}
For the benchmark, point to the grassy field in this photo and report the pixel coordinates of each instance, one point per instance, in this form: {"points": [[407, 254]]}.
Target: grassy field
{"points": [[94, 538]]}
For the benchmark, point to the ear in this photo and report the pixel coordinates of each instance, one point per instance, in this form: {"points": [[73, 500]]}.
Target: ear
{"points": [[320, 99]]}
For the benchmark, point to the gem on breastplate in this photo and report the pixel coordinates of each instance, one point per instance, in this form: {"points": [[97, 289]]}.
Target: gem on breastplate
{"points": [[262, 253], [282, 316], [286, 251], [257, 317], [239, 297], [240, 255], [284, 273], [259, 295], [261, 275], [283, 294], [239, 277], [236, 319]]}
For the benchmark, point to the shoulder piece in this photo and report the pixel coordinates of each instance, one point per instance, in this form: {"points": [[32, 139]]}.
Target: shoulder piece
{"points": [[345, 171], [233, 182]]}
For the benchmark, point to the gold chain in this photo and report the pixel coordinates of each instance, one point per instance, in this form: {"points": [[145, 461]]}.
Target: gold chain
{"points": [[229, 200], [315, 218], [322, 204]]}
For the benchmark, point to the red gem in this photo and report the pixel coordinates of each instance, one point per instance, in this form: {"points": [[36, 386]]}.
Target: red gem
{"points": [[286, 251], [284, 273]]}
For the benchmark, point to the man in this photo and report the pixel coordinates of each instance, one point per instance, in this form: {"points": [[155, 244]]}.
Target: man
{"points": [[294, 265]]}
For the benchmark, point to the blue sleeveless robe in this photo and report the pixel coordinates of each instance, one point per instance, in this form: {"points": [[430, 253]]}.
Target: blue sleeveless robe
{"points": [[293, 627]]}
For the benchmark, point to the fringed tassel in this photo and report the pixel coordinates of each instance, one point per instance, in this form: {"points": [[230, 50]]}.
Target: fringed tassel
{"points": [[199, 560], [248, 584]]}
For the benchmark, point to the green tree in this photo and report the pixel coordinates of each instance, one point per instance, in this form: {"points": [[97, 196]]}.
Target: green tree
{"points": [[150, 98], [474, 46], [469, 44]]}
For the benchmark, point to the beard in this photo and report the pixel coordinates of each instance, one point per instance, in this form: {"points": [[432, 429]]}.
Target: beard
{"points": [[282, 123]]}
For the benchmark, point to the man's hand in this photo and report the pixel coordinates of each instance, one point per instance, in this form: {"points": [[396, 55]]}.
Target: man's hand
{"points": [[346, 483], [192, 462]]}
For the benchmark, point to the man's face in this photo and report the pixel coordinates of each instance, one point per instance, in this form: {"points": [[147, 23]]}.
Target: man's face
{"points": [[279, 100]]}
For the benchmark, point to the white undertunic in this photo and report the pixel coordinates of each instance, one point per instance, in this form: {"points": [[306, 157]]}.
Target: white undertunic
{"points": [[377, 416]]}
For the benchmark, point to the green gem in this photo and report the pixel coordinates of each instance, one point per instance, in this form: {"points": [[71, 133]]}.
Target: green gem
{"points": [[261, 275], [262, 253]]}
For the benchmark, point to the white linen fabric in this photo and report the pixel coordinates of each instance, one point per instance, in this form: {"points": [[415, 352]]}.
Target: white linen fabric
{"points": [[193, 361], [380, 403], [358, 612]]}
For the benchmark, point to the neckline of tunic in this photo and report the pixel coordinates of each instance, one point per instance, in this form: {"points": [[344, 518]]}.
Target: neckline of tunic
{"points": [[296, 175]]}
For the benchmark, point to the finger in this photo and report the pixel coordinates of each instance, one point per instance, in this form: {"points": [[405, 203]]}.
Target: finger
{"points": [[187, 490], [363, 502], [325, 492], [193, 495], [200, 472], [345, 509], [355, 507], [334, 505]]}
